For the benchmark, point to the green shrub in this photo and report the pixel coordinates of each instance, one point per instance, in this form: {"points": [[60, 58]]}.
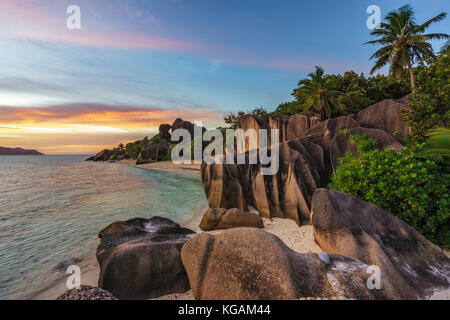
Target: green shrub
{"points": [[157, 139], [162, 153], [134, 149], [430, 102], [169, 152], [409, 186]]}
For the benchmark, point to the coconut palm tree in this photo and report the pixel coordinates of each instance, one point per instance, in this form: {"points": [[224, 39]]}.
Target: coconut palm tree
{"points": [[319, 98], [403, 42], [439, 143]]}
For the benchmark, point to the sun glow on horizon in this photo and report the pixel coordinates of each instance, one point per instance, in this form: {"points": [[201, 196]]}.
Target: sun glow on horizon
{"points": [[87, 129]]}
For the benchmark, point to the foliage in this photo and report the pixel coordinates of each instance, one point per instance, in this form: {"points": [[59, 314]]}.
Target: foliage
{"points": [[361, 92], [439, 143], [133, 149], [403, 42], [162, 153], [413, 188], [157, 139], [319, 96], [288, 108], [169, 152], [431, 99], [234, 119]]}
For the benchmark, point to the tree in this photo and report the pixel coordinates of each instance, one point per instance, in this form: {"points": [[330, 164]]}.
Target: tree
{"points": [[403, 42], [429, 104], [439, 143], [234, 119], [319, 97]]}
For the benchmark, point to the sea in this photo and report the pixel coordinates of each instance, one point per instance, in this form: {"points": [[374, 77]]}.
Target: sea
{"points": [[52, 208]]}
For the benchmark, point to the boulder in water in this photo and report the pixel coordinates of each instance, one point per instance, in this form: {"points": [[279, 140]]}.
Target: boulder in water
{"points": [[140, 258]]}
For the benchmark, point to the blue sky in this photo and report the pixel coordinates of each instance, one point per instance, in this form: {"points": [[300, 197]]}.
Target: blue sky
{"points": [[197, 58]]}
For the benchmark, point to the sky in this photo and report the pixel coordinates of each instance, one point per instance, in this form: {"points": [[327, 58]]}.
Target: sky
{"points": [[136, 64]]}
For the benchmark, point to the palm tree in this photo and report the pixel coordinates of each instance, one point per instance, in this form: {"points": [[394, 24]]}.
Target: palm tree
{"points": [[439, 142], [318, 97], [403, 42]]}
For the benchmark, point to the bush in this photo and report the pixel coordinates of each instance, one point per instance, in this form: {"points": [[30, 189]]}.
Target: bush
{"points": [[409, 186], [431, 99], [134, 149], [157, 139]]}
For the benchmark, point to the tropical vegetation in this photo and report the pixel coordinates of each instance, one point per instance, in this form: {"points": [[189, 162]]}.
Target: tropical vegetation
{"points": [[409, 184], [404, 43]]}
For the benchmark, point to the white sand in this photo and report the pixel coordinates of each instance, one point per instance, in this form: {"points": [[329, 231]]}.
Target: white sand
{"points": [[192, 170], [297, 238]]}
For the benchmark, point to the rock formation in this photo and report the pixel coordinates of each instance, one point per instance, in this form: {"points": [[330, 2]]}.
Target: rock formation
{"points": [[411, 266], [256, 123], [149, 154], [104, 155], [342, 142], [280, 123], [87, 293], [386, 115], [215, 219], [4, 151], [286, 195], [164, 131], [251, 264], [298, 125], [140, 258], [306, 162]]}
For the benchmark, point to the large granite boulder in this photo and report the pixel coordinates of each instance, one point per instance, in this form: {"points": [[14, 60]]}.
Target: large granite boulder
{"points": [[280, 123], [164, 131], [256, 123], [287, 194], [323, 132], [104, 155], [386, 115], [181, 124], [251, 264], [140, 258], [149, 154], [87, 293], [298, 125], [342, 142], [411, 266], [219, 218]]}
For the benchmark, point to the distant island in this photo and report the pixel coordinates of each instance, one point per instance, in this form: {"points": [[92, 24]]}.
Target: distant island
{"points": [[4, 151]]}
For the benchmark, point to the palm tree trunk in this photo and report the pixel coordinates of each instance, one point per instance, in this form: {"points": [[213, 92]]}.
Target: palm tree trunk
{"points": [[411, 75]]}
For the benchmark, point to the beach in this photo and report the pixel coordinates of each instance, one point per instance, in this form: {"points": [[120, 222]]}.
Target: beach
{"points": [[297, 238]]}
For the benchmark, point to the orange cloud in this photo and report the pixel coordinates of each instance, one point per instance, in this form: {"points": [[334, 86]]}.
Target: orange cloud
{"points": [[87, 128]]}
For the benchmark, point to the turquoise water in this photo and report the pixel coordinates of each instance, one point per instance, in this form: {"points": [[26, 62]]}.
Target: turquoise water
{"points": [[52, 207]]}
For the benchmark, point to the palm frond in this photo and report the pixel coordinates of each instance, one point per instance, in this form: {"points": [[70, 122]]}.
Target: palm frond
{"points": [[439, 142]]}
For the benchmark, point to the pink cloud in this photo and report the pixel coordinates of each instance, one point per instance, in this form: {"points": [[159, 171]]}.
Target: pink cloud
{"points": [[28, 19]]}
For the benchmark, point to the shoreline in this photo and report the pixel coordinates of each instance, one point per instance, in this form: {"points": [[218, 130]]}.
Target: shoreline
{"points": [[190, 170], [297, 238]]}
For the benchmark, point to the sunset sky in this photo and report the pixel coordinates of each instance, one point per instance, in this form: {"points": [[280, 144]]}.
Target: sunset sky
{"points": [[136, 64]]}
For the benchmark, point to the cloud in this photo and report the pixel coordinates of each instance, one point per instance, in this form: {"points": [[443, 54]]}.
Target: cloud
{"points": [[96, 117], [88, 128], [42, 25]]}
